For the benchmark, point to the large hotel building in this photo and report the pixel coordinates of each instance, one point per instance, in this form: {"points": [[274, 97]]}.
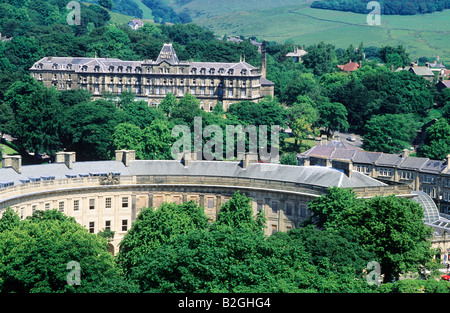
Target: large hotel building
{"points": [[153, 80]]}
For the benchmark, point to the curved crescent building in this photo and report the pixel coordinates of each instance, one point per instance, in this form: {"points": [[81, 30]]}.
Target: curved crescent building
{"points": [[110, 194]]}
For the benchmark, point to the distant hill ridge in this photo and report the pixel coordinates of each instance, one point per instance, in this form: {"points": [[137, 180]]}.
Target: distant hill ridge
{"points": [[388, 7]]}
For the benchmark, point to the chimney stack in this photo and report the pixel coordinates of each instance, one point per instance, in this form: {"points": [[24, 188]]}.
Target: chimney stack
{"points": [[303, 161], [67, 158], [187, 157], [13, 161], [344, 165], [448, 162], [125, 156], [249, 158], [263, 59], [405, 153]]}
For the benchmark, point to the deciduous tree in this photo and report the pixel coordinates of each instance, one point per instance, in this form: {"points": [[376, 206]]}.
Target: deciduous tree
{"points": [[35, 254], [437, 141]]}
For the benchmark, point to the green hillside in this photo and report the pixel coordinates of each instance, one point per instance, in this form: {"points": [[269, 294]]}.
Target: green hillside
{"points": [[213, 8], [422, 35], [146, 12]]}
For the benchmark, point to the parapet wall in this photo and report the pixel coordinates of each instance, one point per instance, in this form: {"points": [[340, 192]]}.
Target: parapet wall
{"points": [[114, 202]]}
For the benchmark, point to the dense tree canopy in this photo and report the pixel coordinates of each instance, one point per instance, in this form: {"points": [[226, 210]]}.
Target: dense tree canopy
{"points": [[437, 141], [154, 227], [37, 115], [233, 255], [39, 28], [390, 133], [390, 227], [40, 263]]}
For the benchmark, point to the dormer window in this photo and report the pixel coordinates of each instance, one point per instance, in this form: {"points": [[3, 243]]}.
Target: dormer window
{"points": [[138, 70], [221, 71], [203, 71], [212, 71], [194, 71], [120, 69], [231, 71], [84, 68], [69, 66], [55, 66], [128, 69], [244, 72], [111, 69], [97, 69]]}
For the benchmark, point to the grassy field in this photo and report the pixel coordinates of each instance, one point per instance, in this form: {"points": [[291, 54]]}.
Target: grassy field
{"points": [[294, 21], [422, 35], [6, 150], [213, 8]]}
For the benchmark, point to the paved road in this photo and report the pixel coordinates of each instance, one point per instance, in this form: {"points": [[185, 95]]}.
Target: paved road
{"points": [[343, 137]]}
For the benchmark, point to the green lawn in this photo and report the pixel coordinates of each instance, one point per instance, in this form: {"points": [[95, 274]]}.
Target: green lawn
{"points": [[6, 150], [289, 145]]}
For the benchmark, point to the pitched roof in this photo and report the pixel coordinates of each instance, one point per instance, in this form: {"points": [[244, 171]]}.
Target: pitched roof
{"points": [[343, 154], [413, 163], [366, 157], [436, 65], [297, 52], [311, 175], [137, 22], [60, 170], [421, 71], [433, 166], [265, 82], [386, 159], [349, 67], [445, 83], [168, 55], [320, 151]]}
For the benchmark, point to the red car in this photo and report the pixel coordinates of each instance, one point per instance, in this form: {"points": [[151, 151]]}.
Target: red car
{"points": [[445, 277]]}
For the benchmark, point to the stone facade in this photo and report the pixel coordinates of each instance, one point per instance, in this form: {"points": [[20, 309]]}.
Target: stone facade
{"points": [[152, 80], [115, 207], [110, 194], [421, 174]]}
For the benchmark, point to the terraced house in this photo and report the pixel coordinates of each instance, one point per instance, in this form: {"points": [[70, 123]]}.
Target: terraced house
{"points": [[152, 80], [421, 174]]}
